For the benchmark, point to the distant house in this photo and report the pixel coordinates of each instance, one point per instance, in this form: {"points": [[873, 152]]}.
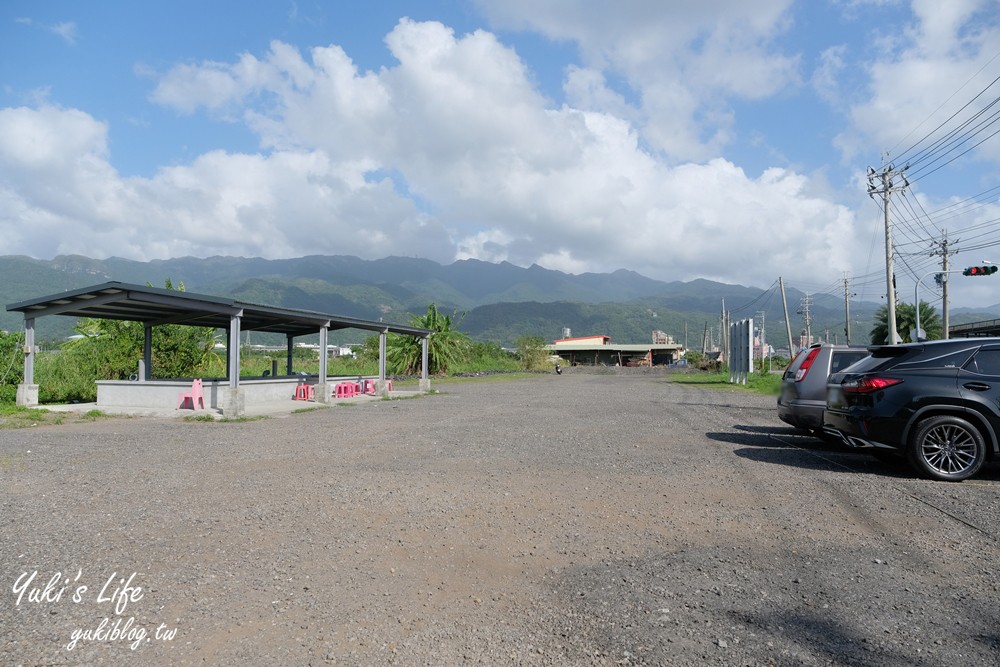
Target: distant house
{"points": [[599, 351], [586, 340]]}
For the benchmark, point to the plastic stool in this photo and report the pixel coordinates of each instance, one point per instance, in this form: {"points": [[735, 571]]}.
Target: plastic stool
{"points": [[305, 392], [346, 390]]}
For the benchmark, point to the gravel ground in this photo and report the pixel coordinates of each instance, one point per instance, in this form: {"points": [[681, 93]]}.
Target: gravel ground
{"points": [[581, 519]]}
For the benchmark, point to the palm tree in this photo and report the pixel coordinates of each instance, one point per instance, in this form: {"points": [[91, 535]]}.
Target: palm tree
{"points": [[905, 322], [445, 346]]}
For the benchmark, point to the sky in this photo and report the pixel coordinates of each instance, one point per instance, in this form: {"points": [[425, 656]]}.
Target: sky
{"points": [[719, 139]]}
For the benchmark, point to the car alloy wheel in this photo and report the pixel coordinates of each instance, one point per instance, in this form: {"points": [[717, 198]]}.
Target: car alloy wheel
{"points": [[947, 448]]}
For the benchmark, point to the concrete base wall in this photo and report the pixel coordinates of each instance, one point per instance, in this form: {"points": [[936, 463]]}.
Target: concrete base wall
{"points": [[27, 395], [164, 393]]}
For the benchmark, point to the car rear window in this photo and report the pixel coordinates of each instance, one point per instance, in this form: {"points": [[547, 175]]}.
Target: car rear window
{"points": [[908, 357], [881, 357], [844, 358], [796, 362]]}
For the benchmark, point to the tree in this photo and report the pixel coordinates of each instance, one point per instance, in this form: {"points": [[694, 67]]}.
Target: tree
{"points": [[11, 364], [111, 349], [445, 346], [531, 351], [906, 318]]}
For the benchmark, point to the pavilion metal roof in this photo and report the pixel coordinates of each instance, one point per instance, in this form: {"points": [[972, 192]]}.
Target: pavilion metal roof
{"points": [[154, 305]]}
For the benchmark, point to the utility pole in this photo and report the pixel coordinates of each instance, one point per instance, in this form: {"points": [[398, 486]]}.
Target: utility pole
{"points": [[885, 188], [788, 323], [807, 318], [724, 332], [847, 310], [762, 337], [942, 279]]}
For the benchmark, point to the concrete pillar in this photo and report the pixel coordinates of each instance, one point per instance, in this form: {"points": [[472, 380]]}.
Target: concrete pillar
{"points": [[235, 406], [322, 392], [27, 395], [381, 355], [27, 391], [234, 353], [425, 382]]}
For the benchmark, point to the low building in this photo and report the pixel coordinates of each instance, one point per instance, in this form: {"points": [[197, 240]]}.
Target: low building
{"points": [[599, 351]]}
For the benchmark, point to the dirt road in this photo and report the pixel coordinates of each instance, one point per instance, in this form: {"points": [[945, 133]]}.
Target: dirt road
{"points": [[581, 519]]}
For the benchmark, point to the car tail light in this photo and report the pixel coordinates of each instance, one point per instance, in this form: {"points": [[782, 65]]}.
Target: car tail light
{"points": [[800, 374], [867, 385]]}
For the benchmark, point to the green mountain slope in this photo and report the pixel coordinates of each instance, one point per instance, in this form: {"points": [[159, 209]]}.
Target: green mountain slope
{"points": [[497, 302]]}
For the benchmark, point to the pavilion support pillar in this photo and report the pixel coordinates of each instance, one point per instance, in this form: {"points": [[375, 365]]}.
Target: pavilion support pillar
{"points": [[322, 395], [425, 382], [380, 385], [145, 371], [289, 348], [27, 391], [235, 405]]}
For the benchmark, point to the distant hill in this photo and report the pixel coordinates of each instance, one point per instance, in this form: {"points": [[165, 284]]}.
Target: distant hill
{"points": [[497, 302]]}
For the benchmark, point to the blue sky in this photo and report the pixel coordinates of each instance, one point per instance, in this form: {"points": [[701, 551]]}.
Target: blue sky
{"points": [[722, 139]]}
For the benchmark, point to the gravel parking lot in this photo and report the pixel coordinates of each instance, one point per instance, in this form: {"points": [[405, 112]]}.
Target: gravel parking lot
{"points": [[582, 519]]}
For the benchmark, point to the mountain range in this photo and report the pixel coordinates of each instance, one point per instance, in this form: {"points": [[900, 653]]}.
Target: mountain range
{"points": [[496, 302]]}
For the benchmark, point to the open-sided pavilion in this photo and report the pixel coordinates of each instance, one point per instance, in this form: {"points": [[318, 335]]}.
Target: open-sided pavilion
{"points": [[156, 306]]}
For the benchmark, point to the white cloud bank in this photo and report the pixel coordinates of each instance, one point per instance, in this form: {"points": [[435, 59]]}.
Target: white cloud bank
{"points": [[453, 152]]}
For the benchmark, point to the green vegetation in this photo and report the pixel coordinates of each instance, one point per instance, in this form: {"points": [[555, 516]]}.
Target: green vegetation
{"points": [[13, 416], [906, 319], [446, 345], [532, 354], [11, 365], [111, 350], [757, 382]]}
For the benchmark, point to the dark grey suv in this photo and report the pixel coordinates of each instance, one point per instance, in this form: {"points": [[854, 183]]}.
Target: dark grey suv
{"points": [[937, 402], [803, 385]]}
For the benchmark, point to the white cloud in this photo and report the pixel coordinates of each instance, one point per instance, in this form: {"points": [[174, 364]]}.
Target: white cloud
{"points": [[66, 30], [451, 153], [683, 61], [924, 75]]}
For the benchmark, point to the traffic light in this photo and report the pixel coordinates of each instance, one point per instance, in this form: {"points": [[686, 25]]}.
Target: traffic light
{"points": [[987, 270]]}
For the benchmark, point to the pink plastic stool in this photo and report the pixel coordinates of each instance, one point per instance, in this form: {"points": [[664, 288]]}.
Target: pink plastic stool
{"points": [[197, 394]]}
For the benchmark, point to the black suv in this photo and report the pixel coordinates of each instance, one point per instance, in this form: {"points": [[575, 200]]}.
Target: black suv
{"points": [[803, 385], [937, 402]]}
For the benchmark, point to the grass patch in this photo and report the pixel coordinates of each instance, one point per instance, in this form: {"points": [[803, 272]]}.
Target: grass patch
{"points": [[228, 420], [412, 396], [15, 416], [312, 409], [199, 418], [768, 384]]}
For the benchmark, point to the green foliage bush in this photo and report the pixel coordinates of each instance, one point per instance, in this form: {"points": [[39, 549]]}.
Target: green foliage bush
{"points": [[447, 345], [11, 364], [532, 353]]}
